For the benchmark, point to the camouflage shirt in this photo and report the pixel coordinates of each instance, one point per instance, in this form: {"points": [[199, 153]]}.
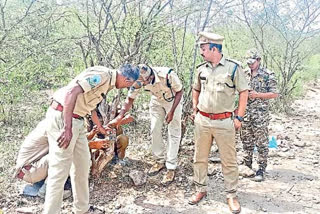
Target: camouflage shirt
{"points": [[264, 82]]}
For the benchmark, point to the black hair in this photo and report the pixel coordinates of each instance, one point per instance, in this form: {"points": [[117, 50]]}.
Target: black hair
{"points": [[218, 46], [130, 72]]}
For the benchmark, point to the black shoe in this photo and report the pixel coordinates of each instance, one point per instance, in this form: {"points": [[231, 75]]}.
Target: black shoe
{"points": [[259, 176]]}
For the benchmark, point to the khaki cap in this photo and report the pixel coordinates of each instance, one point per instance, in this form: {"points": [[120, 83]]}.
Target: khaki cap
{"points": [[207, 37]]}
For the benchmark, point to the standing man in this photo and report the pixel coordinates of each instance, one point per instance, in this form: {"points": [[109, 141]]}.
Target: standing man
{"points": [[254, 131], [165, 105], [68, 145], [213, 98]]}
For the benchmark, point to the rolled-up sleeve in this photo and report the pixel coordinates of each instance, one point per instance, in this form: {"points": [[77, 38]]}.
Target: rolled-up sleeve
{"points": [[175, 82], [196, 81], [91, 79], [240, 80]]}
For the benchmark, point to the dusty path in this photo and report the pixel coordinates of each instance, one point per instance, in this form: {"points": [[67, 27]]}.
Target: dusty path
{"points": [[292, 183]]}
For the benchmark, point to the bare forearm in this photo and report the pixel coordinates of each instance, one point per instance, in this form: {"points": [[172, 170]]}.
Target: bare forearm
{"points": [[69, 104], [195, 99], [243, 98], [176, 101], [126, 106], [95, 118], [268, 95]]}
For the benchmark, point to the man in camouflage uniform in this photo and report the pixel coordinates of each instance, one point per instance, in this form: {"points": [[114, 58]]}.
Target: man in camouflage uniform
{"points": [[165, 105], [254, 131], [214, 94], [68, 144]]}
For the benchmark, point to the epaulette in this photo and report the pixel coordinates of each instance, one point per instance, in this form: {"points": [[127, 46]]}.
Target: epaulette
{"points": [[198, 66], [234, 61]]}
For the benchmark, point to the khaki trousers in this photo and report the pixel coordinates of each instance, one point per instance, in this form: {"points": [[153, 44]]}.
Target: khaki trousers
{"points": [[37, 172], [158, 112], [34, 152], [223, 131], [74, 160]]}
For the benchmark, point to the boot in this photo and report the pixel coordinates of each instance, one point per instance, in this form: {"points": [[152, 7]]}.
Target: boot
{"points": [[259, 176], [168, 178], [155, 169]]}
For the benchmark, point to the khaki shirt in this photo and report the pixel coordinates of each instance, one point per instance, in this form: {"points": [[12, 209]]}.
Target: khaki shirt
{"points": [[94, 81], [159, 87], [216, 95]]}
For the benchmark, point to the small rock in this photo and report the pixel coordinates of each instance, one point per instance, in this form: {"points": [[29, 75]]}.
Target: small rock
{"points": [[212, 169], [273, 152], [27, 210], [117, 206], [245, 171], [139, 178], [299, 143], [283, 154], [215, 160], [112, 175]]}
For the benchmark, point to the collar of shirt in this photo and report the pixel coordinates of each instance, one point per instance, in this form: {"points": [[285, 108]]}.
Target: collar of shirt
{"points": [[221, 62], [113, 78], [259, 72], [157, 79]]}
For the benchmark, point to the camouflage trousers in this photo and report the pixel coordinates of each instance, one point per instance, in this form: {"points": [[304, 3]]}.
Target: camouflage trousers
{"points": [[255, 134]]}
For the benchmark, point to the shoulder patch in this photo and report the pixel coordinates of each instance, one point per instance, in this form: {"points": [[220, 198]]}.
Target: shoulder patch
{"points": [[94, 80], [198, 66], [234, 61]]}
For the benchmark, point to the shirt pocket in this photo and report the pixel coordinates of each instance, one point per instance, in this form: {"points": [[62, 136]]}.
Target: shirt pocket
{"points": [[225, 85], [203, 81]]}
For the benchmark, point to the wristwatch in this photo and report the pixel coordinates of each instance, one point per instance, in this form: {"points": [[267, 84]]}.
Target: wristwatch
{"points": [[239, 118]]}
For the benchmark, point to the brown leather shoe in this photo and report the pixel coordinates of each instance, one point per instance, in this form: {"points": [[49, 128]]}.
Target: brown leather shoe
{"points": [[197, 197], [168, 178], [155, 169], [234, 205]]}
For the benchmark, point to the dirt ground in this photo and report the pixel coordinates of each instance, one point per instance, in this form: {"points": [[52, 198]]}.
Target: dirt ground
{"points": [[292, 182]]}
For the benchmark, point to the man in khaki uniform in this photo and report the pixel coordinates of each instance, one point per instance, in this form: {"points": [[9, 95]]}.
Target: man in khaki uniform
{"points": [[32, 161], [68, 145], [213, 96], [165, 105]]}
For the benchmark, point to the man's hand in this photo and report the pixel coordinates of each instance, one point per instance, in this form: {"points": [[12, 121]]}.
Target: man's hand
{"points": [[104, 130], [169, 117], [65, 138], [237, 124], [253, 94], [193, 115], [115, 122]]}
